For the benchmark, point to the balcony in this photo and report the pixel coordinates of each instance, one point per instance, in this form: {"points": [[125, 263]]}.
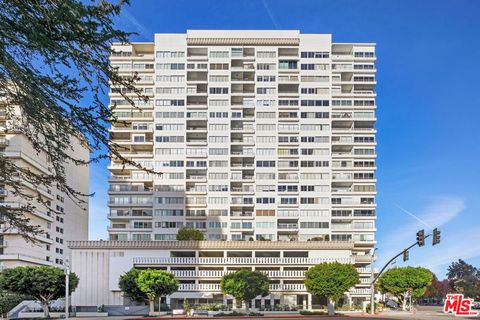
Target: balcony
{"points": [[216, 287], [241, 214], [243, 189], [288, 226], [129, 189], [274, 261], [221, 273]]}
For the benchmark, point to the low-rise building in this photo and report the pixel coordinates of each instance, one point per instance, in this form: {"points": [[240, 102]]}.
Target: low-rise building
{"points": [[199, 266]]}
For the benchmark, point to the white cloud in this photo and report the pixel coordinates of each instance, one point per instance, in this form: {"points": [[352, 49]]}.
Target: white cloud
{"points": [[441, 211], [270, 14], [139, 28]]}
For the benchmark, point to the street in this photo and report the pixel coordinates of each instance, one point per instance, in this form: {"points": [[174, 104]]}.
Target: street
{"points": [[423, 313]]}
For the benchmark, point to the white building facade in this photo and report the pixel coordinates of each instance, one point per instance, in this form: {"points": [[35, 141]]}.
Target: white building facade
{"points": [[259, 135], [199, 266], [263, 138]]}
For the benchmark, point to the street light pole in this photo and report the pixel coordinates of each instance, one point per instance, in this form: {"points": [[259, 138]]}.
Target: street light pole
{"points": [[372, 285], [67, 285]]}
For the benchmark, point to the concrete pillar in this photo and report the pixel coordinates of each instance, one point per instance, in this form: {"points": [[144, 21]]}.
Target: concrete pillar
{"points": [[304, 303], [309, 301]]}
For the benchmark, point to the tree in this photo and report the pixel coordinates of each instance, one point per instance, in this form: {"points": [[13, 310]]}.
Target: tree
{"points": [[42, 283], [405, 282], [54, 74], [128, 284], [438, 289], [8, 301], [155, 284], [331, 280], [464, 278], [186, 233], [245, 285]]}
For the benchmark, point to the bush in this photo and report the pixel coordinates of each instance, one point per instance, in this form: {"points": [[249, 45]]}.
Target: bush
{"points": [[238, 314], [313, 313], [376, 305], [8, 301], [346, 307], [186, 233]]}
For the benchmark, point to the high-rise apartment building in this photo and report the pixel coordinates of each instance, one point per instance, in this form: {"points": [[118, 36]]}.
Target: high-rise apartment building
{"points": [[265, 137], [62, 219], [259, 135]]}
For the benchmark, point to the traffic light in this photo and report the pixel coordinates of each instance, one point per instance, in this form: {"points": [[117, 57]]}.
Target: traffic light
{"points": [[436, 236], [421, 238], [405, 255]]}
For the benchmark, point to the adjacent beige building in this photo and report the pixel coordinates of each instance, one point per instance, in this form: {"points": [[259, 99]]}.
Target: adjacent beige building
{"points": [[62, 220]]}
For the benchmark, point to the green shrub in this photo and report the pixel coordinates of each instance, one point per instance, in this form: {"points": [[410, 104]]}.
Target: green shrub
{"points": [[238, 314], [313, 313]]}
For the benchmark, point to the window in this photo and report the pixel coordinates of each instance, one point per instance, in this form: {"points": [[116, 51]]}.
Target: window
{"points": [[265, 225], [165, 237], [265, 66], [288, 64], [314, 66], [265, 213], [169, 200], [168, 212], [266, 90], [266, 78], [266, 127], [218, 54], [218, 187], [170, 54], [265, 188], [315, 103], [265, 164], [169, 139], [170, 66], [218, 115], [265, 200], [266, 54], [314, 225], [288, 200], [266, 115], [314, 54], [218, 66], [215, 78], [287, 188], [218, 90], [314, 115]]}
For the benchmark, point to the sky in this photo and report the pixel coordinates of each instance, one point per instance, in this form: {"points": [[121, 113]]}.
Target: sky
{"points": [[428, 99]]}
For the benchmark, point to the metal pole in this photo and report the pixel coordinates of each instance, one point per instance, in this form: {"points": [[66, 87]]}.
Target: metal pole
{"points": [[372, 285], [67, 285]]}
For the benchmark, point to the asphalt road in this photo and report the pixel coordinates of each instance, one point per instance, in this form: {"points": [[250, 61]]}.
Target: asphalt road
{"points": [[423, 313]]}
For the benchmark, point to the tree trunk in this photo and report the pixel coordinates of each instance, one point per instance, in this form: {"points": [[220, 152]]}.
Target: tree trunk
{"points": [[404, 303], [331, 307], [247, 304], [151, 303], [46, 313]]}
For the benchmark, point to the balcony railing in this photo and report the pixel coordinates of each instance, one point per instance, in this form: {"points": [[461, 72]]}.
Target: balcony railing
{"points": [[236, 260], [221, 273], [216, 287]]}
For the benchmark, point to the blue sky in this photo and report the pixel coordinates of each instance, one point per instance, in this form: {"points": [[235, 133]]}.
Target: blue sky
{"points": [[428, 105]]}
